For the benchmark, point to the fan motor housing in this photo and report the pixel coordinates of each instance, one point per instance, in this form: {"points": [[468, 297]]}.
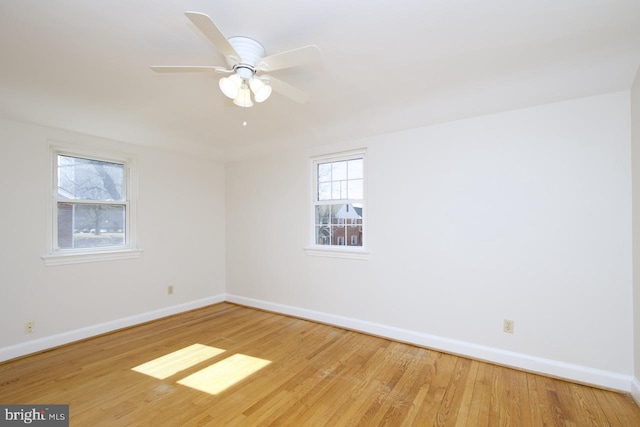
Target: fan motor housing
{"points": [[250, 52]]}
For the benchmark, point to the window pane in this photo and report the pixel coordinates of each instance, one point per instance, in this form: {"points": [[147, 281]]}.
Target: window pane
{"points": [[89, 179], [343, 189], [357, 213], [355, 189], [323, 235], [323, 214], [335, 190], [355, 168], [354, 235], [90, 226], [324, 191], [338, 235], [324, 172], [339, 171]]}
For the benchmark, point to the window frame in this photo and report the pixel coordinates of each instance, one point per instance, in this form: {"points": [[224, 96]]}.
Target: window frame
{"points": [[337, 251], [61, 256]]}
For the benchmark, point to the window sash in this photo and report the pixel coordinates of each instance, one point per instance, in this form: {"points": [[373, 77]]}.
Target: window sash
{"points": [[125, 202], [359, 154]]}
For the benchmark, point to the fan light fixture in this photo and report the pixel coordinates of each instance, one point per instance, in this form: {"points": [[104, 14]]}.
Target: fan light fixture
{"points": [[230, 86], [260, 90], [237, 88], [244, 97]]}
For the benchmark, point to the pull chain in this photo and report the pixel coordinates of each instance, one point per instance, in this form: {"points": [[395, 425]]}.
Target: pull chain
{"points": [[244, 110]]}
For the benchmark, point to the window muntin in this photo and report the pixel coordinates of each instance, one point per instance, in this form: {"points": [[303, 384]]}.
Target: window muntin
{"points": [[341, 180], [339, 201], [92, 204]]}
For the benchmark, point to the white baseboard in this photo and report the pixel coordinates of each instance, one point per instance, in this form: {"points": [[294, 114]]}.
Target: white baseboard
{"points": [[549, 367], [46, 343], [635, 390], [554, 368]]}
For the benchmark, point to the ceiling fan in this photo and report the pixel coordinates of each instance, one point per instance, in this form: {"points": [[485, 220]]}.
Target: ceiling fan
{"points": [[246, 63]]}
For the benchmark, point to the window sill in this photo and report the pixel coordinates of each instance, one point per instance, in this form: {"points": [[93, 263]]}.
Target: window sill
{"points": [[77, 258], [337, 252]]}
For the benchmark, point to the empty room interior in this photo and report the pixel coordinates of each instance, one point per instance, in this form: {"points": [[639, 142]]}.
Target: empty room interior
{"points": [[321, 213]]}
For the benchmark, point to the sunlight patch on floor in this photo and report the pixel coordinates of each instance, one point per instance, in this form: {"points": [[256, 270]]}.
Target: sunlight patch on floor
{"points": [[222, 375], [172, 363]]}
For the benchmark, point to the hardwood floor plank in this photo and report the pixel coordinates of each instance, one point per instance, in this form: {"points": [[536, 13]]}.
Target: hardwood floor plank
{"points": [[587, 405], [431, 400], [466, 406], [285, 371], [618, 409]]}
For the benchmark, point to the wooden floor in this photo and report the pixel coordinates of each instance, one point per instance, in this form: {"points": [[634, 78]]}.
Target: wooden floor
{"points": [[228, 365]]}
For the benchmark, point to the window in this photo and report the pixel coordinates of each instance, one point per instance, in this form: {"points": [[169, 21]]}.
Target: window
{"points": [[92, 208], [339, 205]]}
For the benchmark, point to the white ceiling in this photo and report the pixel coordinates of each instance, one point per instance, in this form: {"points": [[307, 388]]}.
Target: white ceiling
{"points": [[83, 65]]}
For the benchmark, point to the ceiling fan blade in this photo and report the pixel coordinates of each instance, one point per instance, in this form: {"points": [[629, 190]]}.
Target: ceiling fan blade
{"points": [[287, 90], [188, 69], [206, 25], [290, 58]]}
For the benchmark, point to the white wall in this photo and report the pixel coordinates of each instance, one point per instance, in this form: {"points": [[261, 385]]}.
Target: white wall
{"points": [[635, 162], [181, 229], [524, 215]]}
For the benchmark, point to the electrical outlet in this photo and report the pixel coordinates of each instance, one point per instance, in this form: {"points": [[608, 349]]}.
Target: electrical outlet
{"points": [[508, 326], [170, 290], [29, 327]]}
